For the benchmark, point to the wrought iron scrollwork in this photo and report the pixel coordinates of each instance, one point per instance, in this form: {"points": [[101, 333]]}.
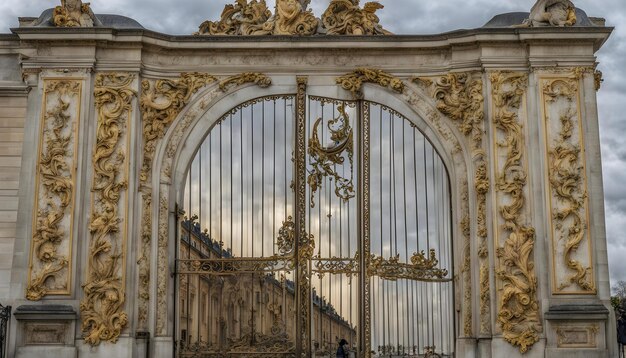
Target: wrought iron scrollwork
{"points": [[421, 268], [336, 265], [5, 316], [324, 159]]}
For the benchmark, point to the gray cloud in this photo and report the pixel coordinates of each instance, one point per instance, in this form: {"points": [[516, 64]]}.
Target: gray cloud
{"points": [[413, 16]]}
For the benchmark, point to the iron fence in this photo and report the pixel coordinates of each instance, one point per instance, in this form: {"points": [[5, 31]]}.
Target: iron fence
{"points": [[5, 315]]}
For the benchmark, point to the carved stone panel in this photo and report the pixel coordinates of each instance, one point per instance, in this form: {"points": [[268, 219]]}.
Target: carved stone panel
{"points": [[45, 333], [51, 246], [572, 267], [577, 335]]}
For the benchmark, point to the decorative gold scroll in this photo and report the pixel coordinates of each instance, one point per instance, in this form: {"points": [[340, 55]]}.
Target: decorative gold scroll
{"points": [[51, 247], [518, 308], [336, 265], [345, 17], [325, 159], [102, 312], [259, 79], [161, 102], [421, 268], [568, 198], [254, 18], [354, 81], [459, 96]]}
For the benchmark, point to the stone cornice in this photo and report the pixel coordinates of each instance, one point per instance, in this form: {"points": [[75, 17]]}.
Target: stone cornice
{"points": [[595, 35]]}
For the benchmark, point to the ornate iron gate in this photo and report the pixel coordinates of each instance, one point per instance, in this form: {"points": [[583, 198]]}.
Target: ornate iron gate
{"points": [[311, 220]]}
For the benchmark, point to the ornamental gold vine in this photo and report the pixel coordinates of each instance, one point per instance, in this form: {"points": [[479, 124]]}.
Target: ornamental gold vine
{"points": [[565, 171], [354, 81], [325, 159], [55, 185], [101, 309], [518, 309]]}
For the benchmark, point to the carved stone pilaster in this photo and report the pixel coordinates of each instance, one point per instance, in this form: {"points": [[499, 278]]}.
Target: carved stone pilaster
{"points": [[102, 308], [518, 306]]}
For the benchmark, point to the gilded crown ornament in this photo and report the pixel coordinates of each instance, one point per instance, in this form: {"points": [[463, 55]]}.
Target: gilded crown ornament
{"points": [[292, 17]]}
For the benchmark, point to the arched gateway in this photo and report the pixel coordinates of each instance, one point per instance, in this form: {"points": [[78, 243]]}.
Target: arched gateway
{"points": [[278, 183]]}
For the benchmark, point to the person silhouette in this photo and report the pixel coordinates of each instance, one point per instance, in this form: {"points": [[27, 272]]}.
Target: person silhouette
{"points": [[341, 351]]}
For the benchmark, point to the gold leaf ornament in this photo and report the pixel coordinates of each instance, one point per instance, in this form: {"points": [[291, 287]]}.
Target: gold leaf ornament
{"points": [[353, 82], [345, 17]]}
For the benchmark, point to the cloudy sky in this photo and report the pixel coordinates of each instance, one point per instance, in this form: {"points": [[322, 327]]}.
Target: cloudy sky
{"points": [[421, 17]]}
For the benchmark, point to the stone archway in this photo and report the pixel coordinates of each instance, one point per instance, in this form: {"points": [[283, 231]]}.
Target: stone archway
{"points": [[204, 107]]}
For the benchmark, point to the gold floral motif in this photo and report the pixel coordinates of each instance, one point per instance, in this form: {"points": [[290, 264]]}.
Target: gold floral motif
{"points": [[460, 97], [567, 182], [345, 17], [73, 13], [259, 79], [325, 159], [102, 312], [518, 308], [421, 268], [354, 81], [161, 102], [55, 185]]}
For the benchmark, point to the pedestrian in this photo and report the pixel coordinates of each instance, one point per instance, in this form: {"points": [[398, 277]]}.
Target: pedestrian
{"points": [[342, 352]]}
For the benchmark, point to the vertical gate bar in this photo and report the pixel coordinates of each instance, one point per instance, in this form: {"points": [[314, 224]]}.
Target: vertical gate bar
{"points": [[302, 265], [363, 227]]}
